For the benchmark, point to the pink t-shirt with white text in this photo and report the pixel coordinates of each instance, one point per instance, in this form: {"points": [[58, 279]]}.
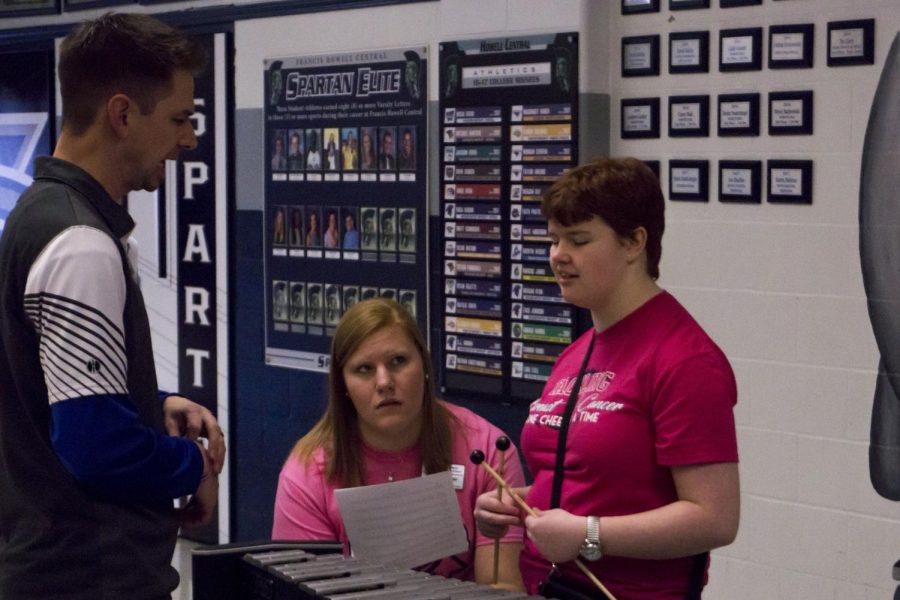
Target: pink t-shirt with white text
{"points": [[657, 393], [306, 509]]}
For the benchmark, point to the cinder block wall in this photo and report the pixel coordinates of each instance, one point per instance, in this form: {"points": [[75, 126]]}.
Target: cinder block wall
{"points": [[780, 289]]}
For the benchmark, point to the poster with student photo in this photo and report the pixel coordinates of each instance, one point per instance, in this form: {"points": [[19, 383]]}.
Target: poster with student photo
{"points": [[279, 151], [350, 229], [387, 152], [387, 229], [280, 300], [369, 217], [332, 304], [352, 158], [406, 241], [314, 304], [279, 237], [408, 300], [331, 234], [350, 295], [368, 148], [295, 232], [298, 302], [350, 148], [406, 149], [331, 149], [295, 150], [313, 150], [313, 238]]}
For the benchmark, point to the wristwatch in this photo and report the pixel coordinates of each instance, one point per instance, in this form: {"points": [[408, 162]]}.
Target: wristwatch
{"points": [[590, 549]]}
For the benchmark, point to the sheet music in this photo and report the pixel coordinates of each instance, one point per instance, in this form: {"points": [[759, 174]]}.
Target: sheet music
{"points": [[404, 523]]}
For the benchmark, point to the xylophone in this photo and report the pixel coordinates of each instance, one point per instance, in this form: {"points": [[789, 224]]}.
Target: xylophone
{"points": [[300, 575], [318, 571]]}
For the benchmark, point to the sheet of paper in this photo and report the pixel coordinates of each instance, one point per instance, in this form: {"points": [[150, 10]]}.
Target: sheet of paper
{"points": [[406, 523]]}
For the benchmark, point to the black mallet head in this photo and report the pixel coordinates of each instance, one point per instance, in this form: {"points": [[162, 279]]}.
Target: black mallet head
{"points": [[503, 443], [477, 457]]}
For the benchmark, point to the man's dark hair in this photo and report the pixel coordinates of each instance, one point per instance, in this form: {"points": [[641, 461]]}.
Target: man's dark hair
{"points": [[131, 54]]}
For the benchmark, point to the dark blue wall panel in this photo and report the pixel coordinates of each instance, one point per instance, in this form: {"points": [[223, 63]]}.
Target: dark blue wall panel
{"points": [[272, 407]]}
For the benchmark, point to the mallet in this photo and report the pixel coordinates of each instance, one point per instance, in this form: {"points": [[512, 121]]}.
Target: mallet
{"points": [[503, 445], [477, 457]]}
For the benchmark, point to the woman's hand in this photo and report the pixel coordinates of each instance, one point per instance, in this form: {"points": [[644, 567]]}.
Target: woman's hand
{"points": [[494, 516], [558, 534]]}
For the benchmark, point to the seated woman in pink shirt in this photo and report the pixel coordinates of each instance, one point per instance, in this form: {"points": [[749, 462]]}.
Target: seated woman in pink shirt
{"points": [[383, 423]]}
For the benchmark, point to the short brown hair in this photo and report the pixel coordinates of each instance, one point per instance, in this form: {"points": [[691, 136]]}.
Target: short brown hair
{"points": [[623, 192], [131, 54], [338, 431]]}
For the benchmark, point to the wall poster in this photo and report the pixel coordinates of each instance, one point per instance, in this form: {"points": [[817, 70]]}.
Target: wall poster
{"points": [[197, 185], [509, 115], [345, 193]]}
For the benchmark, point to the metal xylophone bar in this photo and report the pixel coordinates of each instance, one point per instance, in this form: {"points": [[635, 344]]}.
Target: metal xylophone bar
{"points": [[298, 575]]}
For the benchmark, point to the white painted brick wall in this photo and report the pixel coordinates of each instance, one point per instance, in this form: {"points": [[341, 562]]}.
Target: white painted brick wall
{"points": [[780, 289]]}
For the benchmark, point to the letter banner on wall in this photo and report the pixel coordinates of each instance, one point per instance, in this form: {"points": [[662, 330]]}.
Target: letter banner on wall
{"points": [[345, 193], [509, 115], [202, 203]]}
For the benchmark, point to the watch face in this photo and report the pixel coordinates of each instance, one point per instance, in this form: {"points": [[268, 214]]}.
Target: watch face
{"points": [[591, 551]]}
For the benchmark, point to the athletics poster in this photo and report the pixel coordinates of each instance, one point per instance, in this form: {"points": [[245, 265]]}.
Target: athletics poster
{"points": [[509, 114], [345, 193]]}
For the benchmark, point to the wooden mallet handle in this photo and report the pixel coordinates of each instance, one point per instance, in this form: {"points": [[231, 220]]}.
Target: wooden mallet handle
{"points": [[477, 457], [503, 445]]}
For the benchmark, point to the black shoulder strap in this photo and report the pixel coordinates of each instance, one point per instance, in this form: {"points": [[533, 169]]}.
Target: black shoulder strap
{"points": [[698, 569], [564, 429], [698, 566]]}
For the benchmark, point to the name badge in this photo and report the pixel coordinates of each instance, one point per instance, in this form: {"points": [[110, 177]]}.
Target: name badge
{"points": [[459, 473]]}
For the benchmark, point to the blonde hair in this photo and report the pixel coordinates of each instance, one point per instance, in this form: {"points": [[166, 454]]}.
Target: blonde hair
{"points": [[337, 432]]}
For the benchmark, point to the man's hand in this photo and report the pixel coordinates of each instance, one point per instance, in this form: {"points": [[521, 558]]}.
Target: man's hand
{"points": [[200, 508], [191, 420]]}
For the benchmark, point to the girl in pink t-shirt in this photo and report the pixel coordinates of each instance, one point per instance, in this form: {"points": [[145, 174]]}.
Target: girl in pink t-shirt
{"points": [[383, 423], [649, 482]]}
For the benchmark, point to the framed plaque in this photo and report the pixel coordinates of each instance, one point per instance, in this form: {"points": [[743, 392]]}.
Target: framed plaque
{"points": [[738, 115], [70, 5], [736, 3], [640, 56], [851, 43], [640, 118], [688, 4], [739, 181], [689, 52], [22, 8], [791, 46], [689, 180], [688, 116], [791, 113], [739, 49], [790, 181], [634, 7]]}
